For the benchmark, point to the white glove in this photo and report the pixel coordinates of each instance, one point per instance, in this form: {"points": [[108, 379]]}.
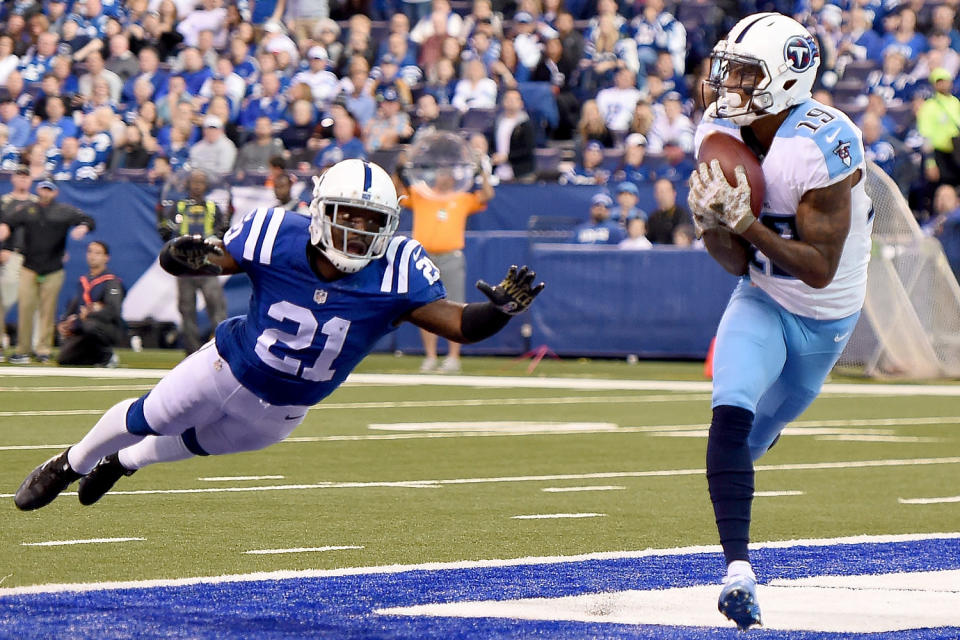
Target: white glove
{"points": [[731, 205]]}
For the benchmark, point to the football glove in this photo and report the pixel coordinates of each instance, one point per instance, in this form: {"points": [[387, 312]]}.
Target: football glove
{"points": [[711, 195], [193, 252], [516, 291]]}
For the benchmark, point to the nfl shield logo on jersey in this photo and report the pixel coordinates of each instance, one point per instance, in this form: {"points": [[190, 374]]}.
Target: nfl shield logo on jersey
{"points": [[320, 296]]}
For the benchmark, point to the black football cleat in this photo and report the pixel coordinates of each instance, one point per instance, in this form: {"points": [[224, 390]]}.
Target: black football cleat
{"points": [[45, 483], [96, 483]]}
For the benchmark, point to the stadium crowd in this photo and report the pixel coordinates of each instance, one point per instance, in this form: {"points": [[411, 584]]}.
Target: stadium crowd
{"points": [[571, 91]]}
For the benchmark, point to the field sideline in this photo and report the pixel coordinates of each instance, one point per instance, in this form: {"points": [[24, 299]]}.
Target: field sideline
{"points": [[588, 463]]}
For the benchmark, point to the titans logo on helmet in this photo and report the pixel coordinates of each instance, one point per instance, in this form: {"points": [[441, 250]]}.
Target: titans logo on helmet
{"points": [[800, 53]]}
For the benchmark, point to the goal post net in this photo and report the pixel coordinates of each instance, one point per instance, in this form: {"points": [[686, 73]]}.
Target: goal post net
{"points": [[910, 324]]}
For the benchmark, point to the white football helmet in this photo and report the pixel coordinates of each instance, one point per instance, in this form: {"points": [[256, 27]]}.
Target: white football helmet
{"points": [[352, 183], [776, 60]]}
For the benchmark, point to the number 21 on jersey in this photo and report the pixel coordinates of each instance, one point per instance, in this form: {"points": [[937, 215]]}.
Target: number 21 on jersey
{"points": [[335, 329]]}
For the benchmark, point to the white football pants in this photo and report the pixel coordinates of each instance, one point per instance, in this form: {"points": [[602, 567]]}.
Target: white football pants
{"points": [[199, 408]]}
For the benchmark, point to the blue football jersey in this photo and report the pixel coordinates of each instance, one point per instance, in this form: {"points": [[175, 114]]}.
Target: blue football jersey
{"points": [[303, 335]]}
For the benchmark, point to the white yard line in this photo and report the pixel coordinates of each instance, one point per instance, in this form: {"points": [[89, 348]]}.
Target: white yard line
{"points": [[262, 552], [598, 487], [866, 437], [776, 494], [557, 516], [238, 478], [61, 543], [79, 388], [508, 382], [928, 500], [463, 564], [431, 484]]}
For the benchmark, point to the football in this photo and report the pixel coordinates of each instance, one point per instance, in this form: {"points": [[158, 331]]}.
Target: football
{"points": [[730, 152]]}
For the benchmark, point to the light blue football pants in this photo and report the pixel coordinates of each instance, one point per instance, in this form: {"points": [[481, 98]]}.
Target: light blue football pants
{"points": [[772, 362]]}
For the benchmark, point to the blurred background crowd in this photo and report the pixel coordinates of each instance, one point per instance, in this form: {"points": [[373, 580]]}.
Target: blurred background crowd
{"points": [[569, 91]]}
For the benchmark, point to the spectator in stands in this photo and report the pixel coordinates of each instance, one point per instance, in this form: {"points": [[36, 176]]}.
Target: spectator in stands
{"points": [[66, 164], [94, 149], [426, 118], [878, 147], [270, 103], [441, 14], [92, 325], [945, 226], [10, 261], [684, 237], [590, 170], [440, 215], [214, 153], [133, 153], [476, 90], [943, 19], [387, 75], [344, 145], [636, 235], [480, 147], [18, 127], [618, 102], [355, 91], [938, 121], [303, 122], [195, 72], [149, 62], [57, 121], [100, 97], [121, 61], [323, 84], [633, 168], [514, 140], [9, 61], [890, 81], [604, 54], [571, 39], [9, 154], [326, 33], [96, 69], [679, 164], [670, 79], [211, 17], [442, 81], [255, 155], [900, 26], [481, 13], [668, 216], [282, 191], [219, 106], [599, 229], [176, 94], [275, 41], [196, 215], [860, 42], [656, 29], [39, 232], [39, 59], [671, 126], [593, 126], [940, 55], [390, 126], [628, 195]]}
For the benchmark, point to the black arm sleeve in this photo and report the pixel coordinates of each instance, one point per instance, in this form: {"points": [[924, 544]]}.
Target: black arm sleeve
{"points": [[79, 217], [166, 226], [481, 320], [221, 222]]}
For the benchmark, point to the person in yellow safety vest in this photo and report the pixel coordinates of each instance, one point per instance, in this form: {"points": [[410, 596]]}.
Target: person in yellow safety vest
{"points": [[196, 215], [938, 121]]}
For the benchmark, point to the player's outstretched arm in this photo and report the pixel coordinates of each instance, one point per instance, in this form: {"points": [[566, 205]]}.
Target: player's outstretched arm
{"points": [[466, 323], [823, 221], [197, 256]]}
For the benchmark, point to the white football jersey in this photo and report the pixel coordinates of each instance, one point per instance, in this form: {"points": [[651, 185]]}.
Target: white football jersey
{"points": [[816, 146]]}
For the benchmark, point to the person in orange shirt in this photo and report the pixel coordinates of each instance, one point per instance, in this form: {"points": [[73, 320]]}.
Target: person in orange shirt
{"points": [[439, 222]]}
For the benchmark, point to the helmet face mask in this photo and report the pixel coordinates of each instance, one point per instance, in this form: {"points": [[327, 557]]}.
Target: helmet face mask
{"points": [[353, 215], [767, 64]]}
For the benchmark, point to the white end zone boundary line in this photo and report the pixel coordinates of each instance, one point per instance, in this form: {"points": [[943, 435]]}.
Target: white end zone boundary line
{"points": [[467, 564], [504, 382]]}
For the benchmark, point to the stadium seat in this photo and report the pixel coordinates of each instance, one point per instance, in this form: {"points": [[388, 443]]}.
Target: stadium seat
{"points": [[858, 70], [479, 120], [449, 118], [386, 158], [547, 163]]}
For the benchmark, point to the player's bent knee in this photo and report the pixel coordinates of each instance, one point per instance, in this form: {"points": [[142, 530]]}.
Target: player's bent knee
{"points": [[136, 421], [730, 426]]}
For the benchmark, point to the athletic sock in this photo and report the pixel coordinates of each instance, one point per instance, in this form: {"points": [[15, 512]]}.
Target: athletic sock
{"points": [[153, 450], [107, 436], [730, 478]]}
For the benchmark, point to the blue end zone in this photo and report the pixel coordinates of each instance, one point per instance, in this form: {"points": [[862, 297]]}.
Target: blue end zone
{"points": [[342, 607]]}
